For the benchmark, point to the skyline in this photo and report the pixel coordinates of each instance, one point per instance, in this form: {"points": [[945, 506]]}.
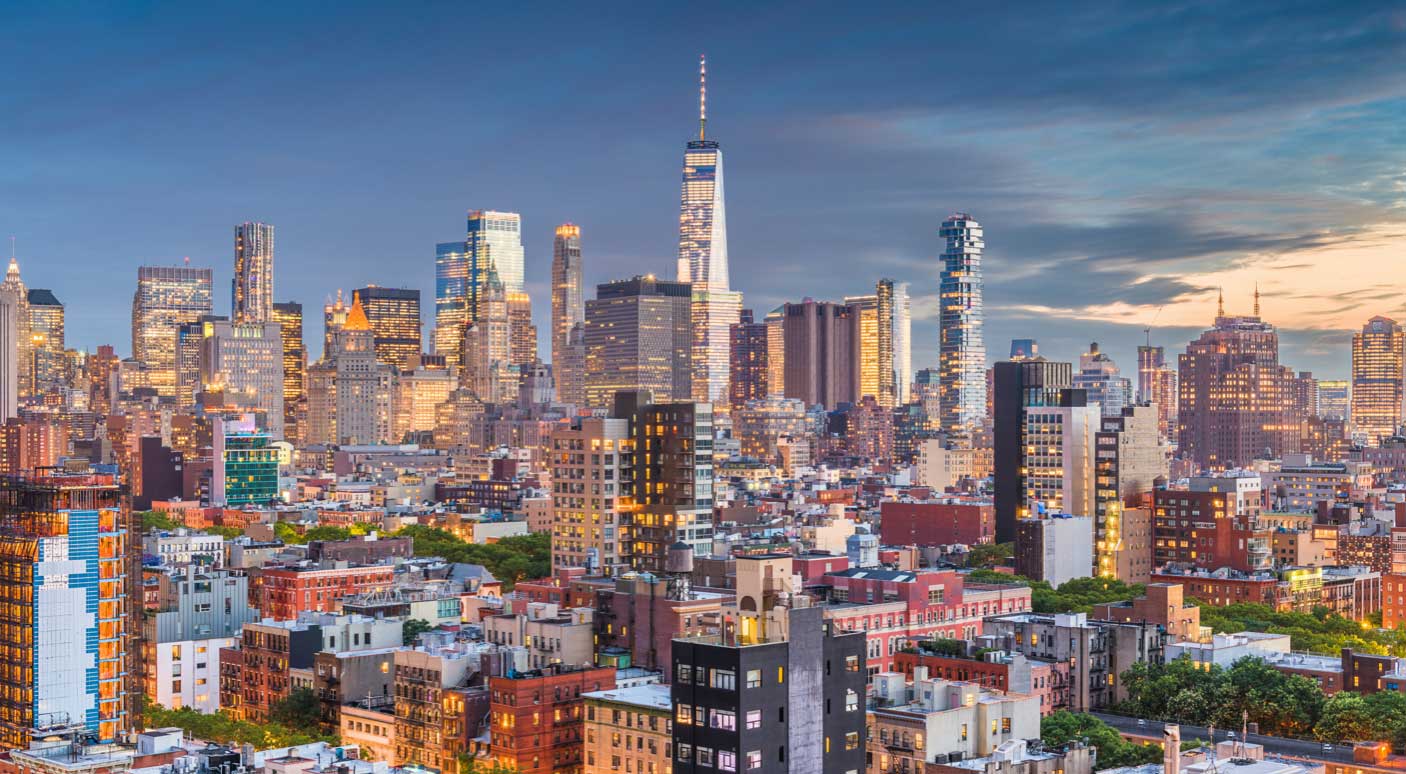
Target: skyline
{"points": [[1166, 182]]}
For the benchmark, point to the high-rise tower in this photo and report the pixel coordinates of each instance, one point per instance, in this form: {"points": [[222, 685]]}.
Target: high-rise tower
{"points": [[962, 351], [166, 298], [703, 258], [1378, 379], [568, 311], [252, 287]]}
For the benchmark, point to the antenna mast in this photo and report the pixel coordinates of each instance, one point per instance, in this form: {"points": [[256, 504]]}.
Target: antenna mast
{"points": [[702, 97]]}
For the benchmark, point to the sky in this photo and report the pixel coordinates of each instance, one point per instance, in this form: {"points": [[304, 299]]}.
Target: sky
{"points": [[1127, 160]]}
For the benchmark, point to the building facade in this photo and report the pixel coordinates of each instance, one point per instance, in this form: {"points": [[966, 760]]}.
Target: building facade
{"points": [[251, 293], [961, 349]]}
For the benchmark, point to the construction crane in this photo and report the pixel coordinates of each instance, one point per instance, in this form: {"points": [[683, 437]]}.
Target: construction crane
{"points": [[1147, 331]]}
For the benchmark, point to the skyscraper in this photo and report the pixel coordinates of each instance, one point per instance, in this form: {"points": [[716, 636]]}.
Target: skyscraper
{"points": [[10, 306], [451, 302], [821, 353], [749, 362], [362, 382], [1099, 377], [252, 286], [289, 316], [1378, 379], [486, 355], [1334, 398], [46, 329], [702, 259], [1022, 385], [244, 362], [568, 303], [902, 341], [522, 334], [1236, 400], [394, 316], [673, 480], [166, 298], [961, 351], [638, 337], [1130, 456], [24, 344], [874, 317]]}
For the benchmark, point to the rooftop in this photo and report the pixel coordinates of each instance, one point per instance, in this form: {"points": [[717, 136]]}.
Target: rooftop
{"points": [[653, 696]]}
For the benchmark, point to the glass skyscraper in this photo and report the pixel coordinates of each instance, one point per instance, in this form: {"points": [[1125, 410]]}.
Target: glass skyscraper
{"points": [[167, 297], [494, 242], [1378, 379], [962, 350], [451, 299], [252, 286], [702, 260]]}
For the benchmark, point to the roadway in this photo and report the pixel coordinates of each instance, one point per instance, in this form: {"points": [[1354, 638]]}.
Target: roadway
{"points": [[1274, 745]]}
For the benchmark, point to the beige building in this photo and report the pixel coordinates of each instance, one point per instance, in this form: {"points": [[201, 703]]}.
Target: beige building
{"points": [[588, 463], [914, 723], [550, 635], [418, 393], [760, 424], [629, 729], [940, 467], [373, 730]]}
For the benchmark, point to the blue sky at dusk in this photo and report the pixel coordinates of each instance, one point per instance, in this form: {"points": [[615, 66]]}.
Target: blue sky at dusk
{"points": [[1123, 157]]}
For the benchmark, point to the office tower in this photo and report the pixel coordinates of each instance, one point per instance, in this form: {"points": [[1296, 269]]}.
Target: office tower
{"points": [[1236, 400], [775, 322], [362, 383], [568, 303], [873, 318], [451, 303], [869, 431], [1334, 398], [1150, 361], [961, 350], [820, 352], [927, 391], [522, 334], [1058, 458], [673, 480], [394, 316], [1130, 456], [703, 259], [419, 389], [569, 367], [69, 569], [494, 243], [1020, 385], [102, 367], [1305, 395], [289, 316], [638, 337], [23, 340], [749, 361], [902, 341], [252, 286], [244, 363], [781, 690], [1099, 377], [334, 316], [1378, 379], [46, 322], [760, 425], [590, 528], [10, 332], [190, 342], [245, 464], [486, 356], [166, 297]]}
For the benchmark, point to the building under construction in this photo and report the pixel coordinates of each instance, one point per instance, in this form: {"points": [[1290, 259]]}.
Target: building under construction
{"points": [[67, 564]]}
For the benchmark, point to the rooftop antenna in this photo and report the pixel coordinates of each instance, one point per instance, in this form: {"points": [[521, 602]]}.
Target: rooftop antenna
{"points": [[12, 247], [702, 96]]}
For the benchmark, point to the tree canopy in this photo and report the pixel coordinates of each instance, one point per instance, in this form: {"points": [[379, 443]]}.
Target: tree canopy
{"points": [[1064, 726], [511, 559]]}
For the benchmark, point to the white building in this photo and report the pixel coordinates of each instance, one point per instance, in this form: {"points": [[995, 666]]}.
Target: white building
{"points": [[1243, 488], [928, 721], [1225, 649], [244, 361], [1059, 458], [182, 547]]}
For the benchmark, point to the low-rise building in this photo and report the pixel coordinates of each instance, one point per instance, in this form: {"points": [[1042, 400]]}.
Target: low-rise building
{"points": [[629, 729], [936, 721]]}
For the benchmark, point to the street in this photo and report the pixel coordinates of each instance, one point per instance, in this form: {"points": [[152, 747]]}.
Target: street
{"points": [[1274, 745]]}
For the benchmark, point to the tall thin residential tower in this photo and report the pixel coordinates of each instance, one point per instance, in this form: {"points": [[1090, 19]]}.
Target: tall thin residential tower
{"points": [[252, 286], [703, 258], [568, 314], [962, 351]]}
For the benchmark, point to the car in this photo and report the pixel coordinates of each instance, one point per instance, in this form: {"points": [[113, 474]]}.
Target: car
{"points": [[1141, 721], [1229, 734], [1327, 748]]}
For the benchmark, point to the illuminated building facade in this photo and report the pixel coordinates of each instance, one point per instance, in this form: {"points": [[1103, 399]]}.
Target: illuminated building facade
{"points": [[289, 317], [166, 298], [48, 363], [1099, 377], [244, 362], [418, 392], [702, 261], [1019, 387], [11, 305], [821, 353], [1236, 400], [638, 336], [673, 481], [749, 361], [873, 317], [362, 383], [23, 370], [1129, 456], [591, 507], [1378, 379], [568, 311], [66, 581], [451, 304], [1334, 398], [394, 316], [522, 334], [759, 424], [902, 340], [962, 350], [246, 465], [252, 286], [775, 323]]}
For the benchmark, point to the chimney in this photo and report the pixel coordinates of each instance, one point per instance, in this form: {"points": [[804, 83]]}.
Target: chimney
{"points": [[1171, 749]]}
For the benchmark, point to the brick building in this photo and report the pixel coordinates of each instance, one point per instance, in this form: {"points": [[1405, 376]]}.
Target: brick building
{"points": [[538, 717], [281, 593], [936, 522]]}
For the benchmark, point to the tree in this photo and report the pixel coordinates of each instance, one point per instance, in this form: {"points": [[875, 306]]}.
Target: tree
{"points": [[300, 709], [326, 533], [1281, 704], [412, 629], [1346, 717], [990, 554], [153, 521], [511, 559], [228, 533], [1064, 726], [288, 533]]}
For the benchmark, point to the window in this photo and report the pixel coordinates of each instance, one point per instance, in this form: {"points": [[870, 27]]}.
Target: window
{"points": [[754, 760], [685, 674], [727, 760], [851, 663], [1005, 725], [705, 756], [684, 714], [851, 701], [781, 675], [852, 740], [685, 751], [754, 719], [754, 678], [963, 736], [723, 719], [725, 679]]}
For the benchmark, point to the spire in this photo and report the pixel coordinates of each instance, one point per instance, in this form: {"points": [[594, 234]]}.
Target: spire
{"points": [[1220, 303], [356, 318], [1257, 299], [13, 272], [702, 97]]}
